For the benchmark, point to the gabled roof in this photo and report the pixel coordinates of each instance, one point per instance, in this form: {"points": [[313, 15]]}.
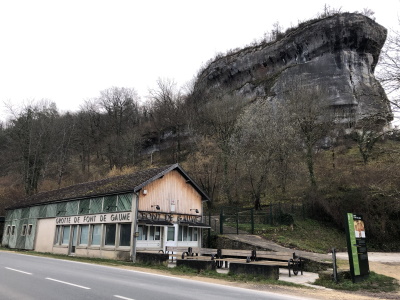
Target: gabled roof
{"points": [[110, 186]]}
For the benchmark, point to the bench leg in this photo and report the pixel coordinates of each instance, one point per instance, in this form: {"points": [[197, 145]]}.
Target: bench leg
{"points": [[301, 266]]}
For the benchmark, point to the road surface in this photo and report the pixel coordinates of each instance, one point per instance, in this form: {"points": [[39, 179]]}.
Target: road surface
{"points": [[26, 277]]}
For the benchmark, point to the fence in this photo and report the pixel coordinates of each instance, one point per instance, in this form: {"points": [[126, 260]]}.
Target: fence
{"points": [[235, 220]]}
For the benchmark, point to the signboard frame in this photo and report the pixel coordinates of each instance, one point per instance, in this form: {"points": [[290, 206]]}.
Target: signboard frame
{"points": [[357, 247]]}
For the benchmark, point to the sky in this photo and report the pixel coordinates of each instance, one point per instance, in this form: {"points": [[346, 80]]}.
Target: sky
{"points": [[69, 51]]}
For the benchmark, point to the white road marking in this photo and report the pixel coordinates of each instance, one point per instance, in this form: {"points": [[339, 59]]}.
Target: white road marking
{"points": [[79, 286], [18, 271], [123, 297]]}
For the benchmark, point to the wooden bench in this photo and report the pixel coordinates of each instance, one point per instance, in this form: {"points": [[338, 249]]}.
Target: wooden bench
{"points": [[282, 259], [175, 252], [290, 259], [149, 251], [227, 256], [232, 255]]}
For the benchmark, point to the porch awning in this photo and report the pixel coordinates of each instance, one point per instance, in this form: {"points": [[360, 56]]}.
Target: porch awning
{"points": [[195, 224], [154, 222]]}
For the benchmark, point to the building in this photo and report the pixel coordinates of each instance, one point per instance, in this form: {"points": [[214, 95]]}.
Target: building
{"points": [[111, 218]]}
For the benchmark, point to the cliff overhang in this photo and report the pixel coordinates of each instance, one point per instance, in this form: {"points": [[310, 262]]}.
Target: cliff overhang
{"points": [[338, 53]]}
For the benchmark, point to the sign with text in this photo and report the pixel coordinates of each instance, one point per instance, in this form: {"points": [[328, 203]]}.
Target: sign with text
{"points": [[357, 247], [116, 217]]}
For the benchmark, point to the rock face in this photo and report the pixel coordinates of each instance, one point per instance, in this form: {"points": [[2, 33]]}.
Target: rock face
{"points": [[338, 53]]}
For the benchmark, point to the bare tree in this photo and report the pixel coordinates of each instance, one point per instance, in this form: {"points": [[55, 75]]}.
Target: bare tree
{"points": [[30, 141], [328, 11], [368, 13], [388, 69], [88, 134], [167, 112], [367, 133], [263, 143], [311, 117], [65, 132], [122, 112], [217, 120], [205, 166]]}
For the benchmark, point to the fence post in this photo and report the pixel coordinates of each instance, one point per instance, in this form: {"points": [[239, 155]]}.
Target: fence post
{"points": [[209, 230], [252, 221], [335, 279], [221, 222]]}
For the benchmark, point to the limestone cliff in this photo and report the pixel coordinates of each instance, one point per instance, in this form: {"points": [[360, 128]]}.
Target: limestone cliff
{"points": [[338, 53]]}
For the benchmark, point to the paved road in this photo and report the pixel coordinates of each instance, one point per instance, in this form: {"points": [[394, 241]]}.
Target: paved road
{"points": [[26, 277]]}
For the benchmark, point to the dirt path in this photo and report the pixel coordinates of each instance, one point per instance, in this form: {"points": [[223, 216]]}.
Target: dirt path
{"points": [[389, 269]]}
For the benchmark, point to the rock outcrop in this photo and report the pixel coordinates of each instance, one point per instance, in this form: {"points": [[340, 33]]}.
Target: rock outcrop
{"points": [[338, 53]]}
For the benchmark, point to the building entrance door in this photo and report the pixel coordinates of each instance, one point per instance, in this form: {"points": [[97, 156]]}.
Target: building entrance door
{"points": [[74, 239]]}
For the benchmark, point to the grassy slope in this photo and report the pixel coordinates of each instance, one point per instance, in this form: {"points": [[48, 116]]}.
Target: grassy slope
{"points": [[309, 235]]}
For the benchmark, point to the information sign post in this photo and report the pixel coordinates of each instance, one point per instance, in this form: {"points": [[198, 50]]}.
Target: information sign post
{"points": [[357, 247]]}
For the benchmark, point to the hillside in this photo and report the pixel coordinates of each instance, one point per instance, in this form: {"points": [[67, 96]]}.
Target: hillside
{"points": [[272, 122]]}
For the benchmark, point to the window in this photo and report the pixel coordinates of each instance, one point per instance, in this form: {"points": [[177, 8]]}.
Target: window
{"points": [[65, 235], [124, 202], [150, 233], [190, 233], [155, 233], [13, 230], [96, 205], [29, 232], [125, 235], [180, 233], [110, 235], [84, 234], [8, 232], [61, 209], [84, 207], [142, 232], [23, 232], [186, 233], [96, 235], [57, 236], [110, 203], [171, 234]]}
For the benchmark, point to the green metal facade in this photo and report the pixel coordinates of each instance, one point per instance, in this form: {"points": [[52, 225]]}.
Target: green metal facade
{"points": [[28, 216]]}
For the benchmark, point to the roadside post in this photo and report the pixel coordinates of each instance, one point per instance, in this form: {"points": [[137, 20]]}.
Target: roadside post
{"points": [[357, 247], [335, 279]]}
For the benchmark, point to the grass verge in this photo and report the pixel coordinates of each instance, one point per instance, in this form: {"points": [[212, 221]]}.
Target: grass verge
{"points": [[374, 283]]}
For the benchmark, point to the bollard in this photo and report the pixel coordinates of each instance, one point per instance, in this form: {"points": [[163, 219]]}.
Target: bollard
{"points": [[335, 279]]}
